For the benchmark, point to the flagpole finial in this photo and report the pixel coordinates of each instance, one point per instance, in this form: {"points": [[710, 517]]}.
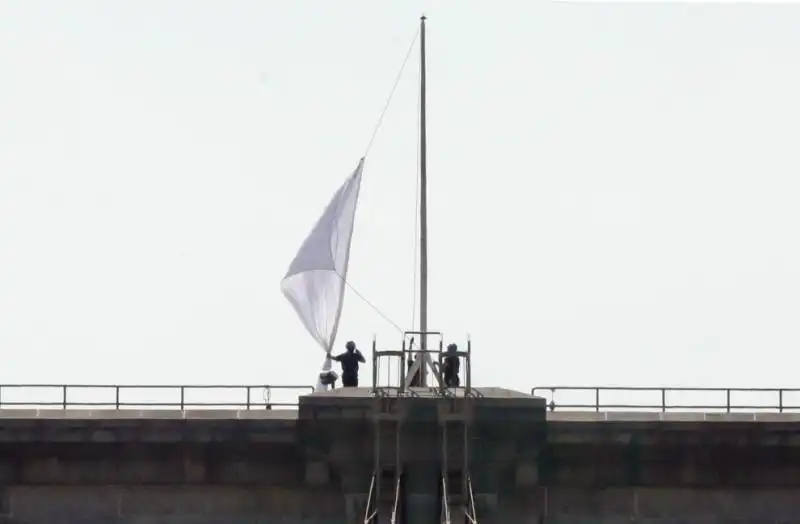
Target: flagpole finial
{"points": [[423, 18]]}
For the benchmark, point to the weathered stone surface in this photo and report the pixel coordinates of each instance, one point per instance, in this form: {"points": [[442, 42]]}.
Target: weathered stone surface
{"points": [[57, 504], [250, 467], [317, 473], [140, 504]]}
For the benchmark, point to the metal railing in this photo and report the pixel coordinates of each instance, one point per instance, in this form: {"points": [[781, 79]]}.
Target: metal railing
{"points": [[156, 396], [260, 396], [726, 400]]}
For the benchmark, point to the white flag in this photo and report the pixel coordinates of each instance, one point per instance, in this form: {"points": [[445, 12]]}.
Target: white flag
{"points": [[315, 282]]}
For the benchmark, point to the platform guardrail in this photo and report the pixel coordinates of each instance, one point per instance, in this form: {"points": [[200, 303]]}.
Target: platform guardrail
{"points": [[632, 398], [150, 396], [261, 396]]}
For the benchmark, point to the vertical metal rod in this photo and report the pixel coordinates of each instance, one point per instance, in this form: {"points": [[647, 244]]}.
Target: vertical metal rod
{"points": [[423, 204], [374, 367], [469, 368], [403, 368]]}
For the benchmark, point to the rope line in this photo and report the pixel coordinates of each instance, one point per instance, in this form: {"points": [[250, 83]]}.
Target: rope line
{"points": [[366, 152], [373, 306], [391, 94]]}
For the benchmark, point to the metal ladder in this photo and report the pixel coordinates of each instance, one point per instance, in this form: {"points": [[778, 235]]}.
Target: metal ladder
{"points": [[389, 407], [455, 408], [465, 497], [386, 411]]}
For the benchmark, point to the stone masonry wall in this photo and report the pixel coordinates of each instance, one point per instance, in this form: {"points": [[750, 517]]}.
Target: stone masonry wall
{"points": [[649, 506], [169, 504]]}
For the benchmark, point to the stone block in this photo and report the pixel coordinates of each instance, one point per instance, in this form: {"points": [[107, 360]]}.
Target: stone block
{"points": [[46, 470], [526, 474], [420, 507], [749, 505], [269, 472], [191, 501], [317, 473], [485, 503], [229, 502], [5, 501], [63, 504], [355, 505], [149, 471], [597, 502]]}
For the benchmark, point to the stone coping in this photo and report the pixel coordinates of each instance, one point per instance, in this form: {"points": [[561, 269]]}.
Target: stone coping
{"points": [[277, 415], [291, 415]]}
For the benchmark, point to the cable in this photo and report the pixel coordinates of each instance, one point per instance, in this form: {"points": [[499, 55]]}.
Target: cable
{"points": [[391, 94], [369, 146], [373, 306]]}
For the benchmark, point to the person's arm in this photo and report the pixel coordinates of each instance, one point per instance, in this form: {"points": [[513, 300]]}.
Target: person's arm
{"points": [[360, 356], [337, 358]]}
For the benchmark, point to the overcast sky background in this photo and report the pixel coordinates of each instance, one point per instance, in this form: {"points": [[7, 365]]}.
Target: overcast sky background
{"points": [[613, 187]]}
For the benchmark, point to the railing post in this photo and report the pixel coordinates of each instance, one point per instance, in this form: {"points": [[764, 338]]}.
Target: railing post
{"points": [[268, 397], [64, 397], [116, 397], [663, 400], [183, 397], [597, 399], [727, 400], [374, 364], [248, 398], [780, 400]]}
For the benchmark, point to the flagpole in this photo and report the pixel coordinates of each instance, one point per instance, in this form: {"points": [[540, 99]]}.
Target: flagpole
{"points": [[423, 214]]}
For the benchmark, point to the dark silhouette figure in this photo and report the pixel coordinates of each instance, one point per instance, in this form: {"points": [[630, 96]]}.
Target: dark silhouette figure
{"points": [[349, 361], [416, 380], [451, 367]]}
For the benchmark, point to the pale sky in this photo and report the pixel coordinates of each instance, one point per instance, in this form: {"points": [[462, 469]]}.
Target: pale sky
{"points": [[613, 187]]}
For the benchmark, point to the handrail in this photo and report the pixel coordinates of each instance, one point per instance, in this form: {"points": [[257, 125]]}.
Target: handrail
{"points": [[472, 515], [393, 519], [143, 396], [367, 516], [263, 396], [670, 398], [445, 502]]}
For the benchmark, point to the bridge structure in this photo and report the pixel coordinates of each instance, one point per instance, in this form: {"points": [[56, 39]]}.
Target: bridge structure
{"points": [[394, 452]]}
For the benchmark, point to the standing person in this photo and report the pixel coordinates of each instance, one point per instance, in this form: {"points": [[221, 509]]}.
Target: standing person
{"points": [[349, 361], [452, 365]]}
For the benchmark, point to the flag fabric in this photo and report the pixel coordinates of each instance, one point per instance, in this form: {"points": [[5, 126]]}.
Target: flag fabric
{"points": [[315, 281]]}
